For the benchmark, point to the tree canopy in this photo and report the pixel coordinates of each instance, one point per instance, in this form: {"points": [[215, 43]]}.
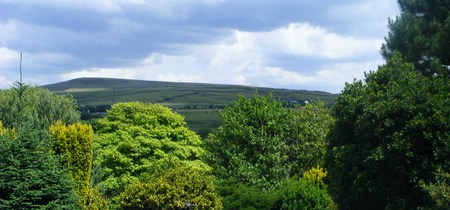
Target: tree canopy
{"points": [[422, 35], [137, 138], [261, 143], [23, 104], [391, 133]]}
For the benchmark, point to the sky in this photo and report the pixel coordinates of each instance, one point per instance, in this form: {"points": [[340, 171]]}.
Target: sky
{"points": [[292, 44]]}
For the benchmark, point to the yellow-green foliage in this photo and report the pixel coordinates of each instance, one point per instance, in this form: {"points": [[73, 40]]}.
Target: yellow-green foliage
{"points": [[7, 132], [315, 174], [138, 138], [172, 189], [74, 143], [94, 200]]}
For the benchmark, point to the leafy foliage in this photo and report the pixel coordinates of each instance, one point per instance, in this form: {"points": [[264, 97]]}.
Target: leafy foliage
{"points": [[30, 175], [390, 133], [422, 35], [238, 195], [172, 189], [261, 143], [303, 194], [315, 175], [136, 139], [74, 144], [439, 189], [34, 105], [306, 137], [94, 200], [249, 144]]}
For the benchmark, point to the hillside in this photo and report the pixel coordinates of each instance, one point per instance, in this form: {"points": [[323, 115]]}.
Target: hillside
{"points": [[101, 91], [197, 102]]}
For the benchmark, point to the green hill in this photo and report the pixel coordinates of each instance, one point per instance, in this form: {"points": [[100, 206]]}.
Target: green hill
{"points": [[196, 101]]}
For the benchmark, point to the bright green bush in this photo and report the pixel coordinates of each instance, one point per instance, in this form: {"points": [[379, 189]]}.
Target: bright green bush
{"points": [[172, 189], [94, 200], [74, 144], [138, 138]]}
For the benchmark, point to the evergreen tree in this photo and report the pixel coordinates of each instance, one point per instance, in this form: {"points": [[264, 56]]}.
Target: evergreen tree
{"points": [[30, 175], [422, 35], [74, 144]]}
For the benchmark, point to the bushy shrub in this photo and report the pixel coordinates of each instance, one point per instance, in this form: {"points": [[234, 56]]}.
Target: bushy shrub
{"points": [[74, 144], [93, 200], [242, 196], [172, 189], [303, 194], [135, 139]]}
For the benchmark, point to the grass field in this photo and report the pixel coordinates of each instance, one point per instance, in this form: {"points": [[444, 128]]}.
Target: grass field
{"points": [[197, 102]]}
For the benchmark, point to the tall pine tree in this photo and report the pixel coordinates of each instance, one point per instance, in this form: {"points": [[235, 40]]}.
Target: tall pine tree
{"points": [[422, 35]]}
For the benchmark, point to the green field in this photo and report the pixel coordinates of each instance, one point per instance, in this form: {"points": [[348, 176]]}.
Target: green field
{"points": [[197, 102]]}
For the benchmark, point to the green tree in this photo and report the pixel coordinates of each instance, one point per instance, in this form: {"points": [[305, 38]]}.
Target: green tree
{"points": [[30, 175], [22, 104], [391, 133], [74, 144], [422, 34], [306, 137], [249, 145], [261, 143], [138, 138], [173, 188]]}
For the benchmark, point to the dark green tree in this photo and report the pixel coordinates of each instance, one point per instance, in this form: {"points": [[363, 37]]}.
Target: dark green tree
{"points": [[30, 175], [422, 35], [391, 133]]}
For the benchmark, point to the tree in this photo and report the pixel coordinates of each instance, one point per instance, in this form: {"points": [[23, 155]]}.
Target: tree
{"points": [[74, 144], [391, 133], [172, 189], [30, 175], [249, 145], [34, 105], [135, 139], [261, 143], [422, 34], [306, 137]]}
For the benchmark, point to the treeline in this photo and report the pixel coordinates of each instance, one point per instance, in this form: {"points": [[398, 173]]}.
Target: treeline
{"points": [[385, 144]]}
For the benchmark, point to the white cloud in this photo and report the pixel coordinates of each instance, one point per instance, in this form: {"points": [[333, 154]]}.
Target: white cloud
{"points": [[304, 39], [243, 59]]}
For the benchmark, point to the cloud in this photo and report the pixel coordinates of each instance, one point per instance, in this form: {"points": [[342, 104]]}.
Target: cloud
{"points": [[303, 39], [244, 58]]}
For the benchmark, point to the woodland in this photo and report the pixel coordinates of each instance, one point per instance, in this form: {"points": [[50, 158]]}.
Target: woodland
{"points": [[383, 144]]}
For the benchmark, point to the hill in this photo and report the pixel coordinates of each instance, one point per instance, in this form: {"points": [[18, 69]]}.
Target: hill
{"points": [[198, 102]]}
